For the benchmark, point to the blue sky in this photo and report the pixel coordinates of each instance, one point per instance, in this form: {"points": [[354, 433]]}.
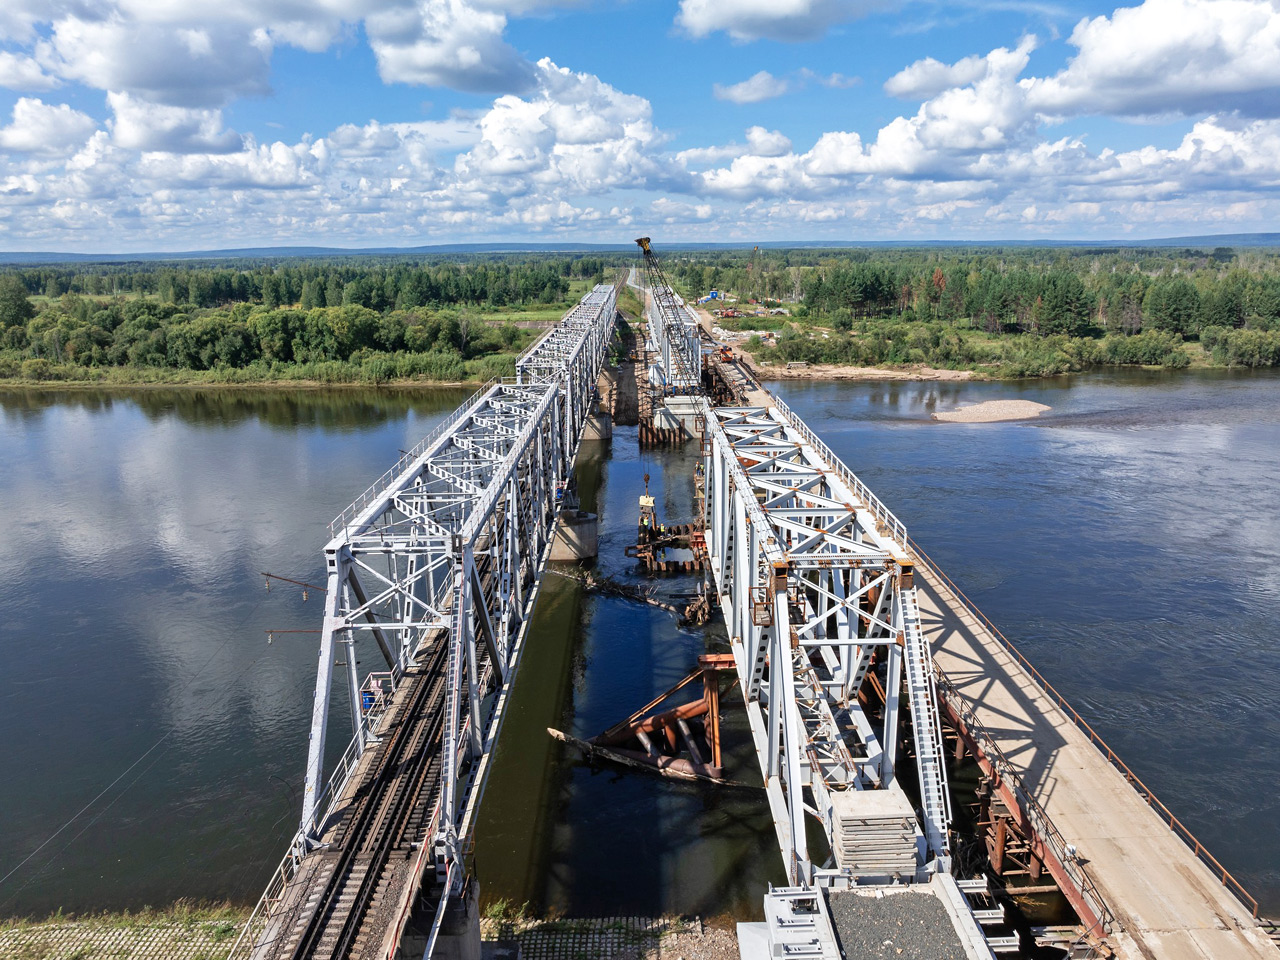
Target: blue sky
{"points": [[130, 125]]}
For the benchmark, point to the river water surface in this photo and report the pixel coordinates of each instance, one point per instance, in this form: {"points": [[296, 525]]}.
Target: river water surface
{"points": [[154, 740]]}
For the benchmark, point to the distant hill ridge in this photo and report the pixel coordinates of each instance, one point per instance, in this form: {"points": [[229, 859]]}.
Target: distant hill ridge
{"points": [[288, 253]]}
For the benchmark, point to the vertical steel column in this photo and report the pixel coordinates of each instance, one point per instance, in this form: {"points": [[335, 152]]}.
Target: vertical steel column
{"points": [[320, 703]]}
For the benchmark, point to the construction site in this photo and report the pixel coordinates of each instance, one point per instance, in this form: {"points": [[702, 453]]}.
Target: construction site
{"points": [[931, 794]]}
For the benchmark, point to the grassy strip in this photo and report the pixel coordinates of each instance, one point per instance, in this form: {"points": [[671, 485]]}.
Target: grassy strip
{"points": [[400, 368], [183, 913], [630, 304]]}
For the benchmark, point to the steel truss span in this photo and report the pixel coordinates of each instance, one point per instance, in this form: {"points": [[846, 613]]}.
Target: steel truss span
{"points": [[673, 330], [435, 570], [815, 581]]}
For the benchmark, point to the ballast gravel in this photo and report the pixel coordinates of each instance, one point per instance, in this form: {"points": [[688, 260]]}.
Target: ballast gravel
{"points": [[894, 926]]}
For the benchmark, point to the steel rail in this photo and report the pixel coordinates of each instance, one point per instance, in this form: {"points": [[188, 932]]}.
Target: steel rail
{"points": [[381, 812]]}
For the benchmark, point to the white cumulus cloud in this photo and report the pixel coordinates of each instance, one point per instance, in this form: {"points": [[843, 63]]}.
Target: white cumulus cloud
{"points": [[20, 72], [929, 77], [1171, 57], [139, 125], [576, 131], [45, 129], [767, 143], [182, 66], [793, 20], [560, 152], [447, 43], [760, 86]]}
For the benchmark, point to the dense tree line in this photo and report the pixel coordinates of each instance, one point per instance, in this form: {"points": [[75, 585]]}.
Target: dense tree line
{"points": [[1078, 294], [1012, 311], [1229, 300], [378, 286], [340, 321]]}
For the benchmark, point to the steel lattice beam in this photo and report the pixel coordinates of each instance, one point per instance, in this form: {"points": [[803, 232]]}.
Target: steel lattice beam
{"points": [[813, 577], [448, 547], [673, 330]]}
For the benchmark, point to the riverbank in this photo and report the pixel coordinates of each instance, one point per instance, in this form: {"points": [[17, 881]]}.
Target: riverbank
{"points": [[14, 385], [833, 372], [183, 931]]}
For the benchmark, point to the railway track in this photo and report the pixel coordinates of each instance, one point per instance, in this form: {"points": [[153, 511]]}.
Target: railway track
{"points": [[358, 877]]}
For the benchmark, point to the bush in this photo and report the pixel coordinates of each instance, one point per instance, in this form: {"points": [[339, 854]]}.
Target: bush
{"points": [[491, 368], [37, 369], [1247, 348], [1151, 348]]}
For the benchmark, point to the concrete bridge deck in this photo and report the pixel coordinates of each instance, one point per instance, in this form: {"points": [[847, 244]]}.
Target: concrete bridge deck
{"points": [[1166, 902]]}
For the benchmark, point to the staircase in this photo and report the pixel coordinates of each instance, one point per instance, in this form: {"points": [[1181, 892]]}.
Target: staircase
{"points": [[930, 759]]}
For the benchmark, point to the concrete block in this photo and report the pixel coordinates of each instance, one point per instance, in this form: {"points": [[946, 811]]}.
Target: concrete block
{"points": [[576, 536]]}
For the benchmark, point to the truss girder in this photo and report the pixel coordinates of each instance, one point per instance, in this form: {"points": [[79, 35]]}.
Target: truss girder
{"points": [[673, 333], [449, 549], [812, 579]]}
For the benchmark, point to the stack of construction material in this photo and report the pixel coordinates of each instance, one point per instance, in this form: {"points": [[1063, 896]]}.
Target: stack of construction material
{"points": [[876, 833]]}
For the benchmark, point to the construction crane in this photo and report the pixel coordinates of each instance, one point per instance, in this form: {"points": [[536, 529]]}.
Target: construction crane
{"points": [[673, 330]]}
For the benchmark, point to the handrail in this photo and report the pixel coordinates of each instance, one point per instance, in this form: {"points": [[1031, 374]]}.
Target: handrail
{"points": [[375, 488], [1044, 824], [1224, 876], [886, 516]]}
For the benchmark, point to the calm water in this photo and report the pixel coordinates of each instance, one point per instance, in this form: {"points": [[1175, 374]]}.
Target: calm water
{"points": [[1127, 540], [134, 663]]}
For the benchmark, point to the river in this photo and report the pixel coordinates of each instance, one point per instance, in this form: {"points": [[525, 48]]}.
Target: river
{"points": [[1127, 540]]}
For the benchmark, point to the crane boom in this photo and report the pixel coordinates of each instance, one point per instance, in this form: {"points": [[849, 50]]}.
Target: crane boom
{"points": [[673, 328]]}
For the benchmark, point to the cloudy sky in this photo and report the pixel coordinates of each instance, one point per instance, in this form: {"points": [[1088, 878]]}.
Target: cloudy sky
{"points": [[130, 125]]}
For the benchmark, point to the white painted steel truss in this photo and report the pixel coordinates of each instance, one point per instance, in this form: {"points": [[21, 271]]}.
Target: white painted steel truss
{"points": [[673, 334], [814, 578], [448, 547]]}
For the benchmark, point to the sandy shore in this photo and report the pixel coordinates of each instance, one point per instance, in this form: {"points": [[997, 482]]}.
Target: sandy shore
{"points": [[993, 411], [827, 371], [823, 371]]}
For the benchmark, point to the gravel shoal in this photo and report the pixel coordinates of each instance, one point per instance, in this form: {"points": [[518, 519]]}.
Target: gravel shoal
{"points": [[992, 411], [894, 926]]}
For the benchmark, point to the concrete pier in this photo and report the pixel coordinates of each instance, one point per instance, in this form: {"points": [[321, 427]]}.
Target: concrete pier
{"points": [[598, 428], [576, 536]]}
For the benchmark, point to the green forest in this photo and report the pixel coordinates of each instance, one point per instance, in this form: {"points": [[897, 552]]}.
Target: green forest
{"points": [[1001, 312], [1006, 312], [348, 322]]}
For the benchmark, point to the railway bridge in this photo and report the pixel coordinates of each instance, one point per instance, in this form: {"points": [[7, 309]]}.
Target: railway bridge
{"points": [[861, 668]]}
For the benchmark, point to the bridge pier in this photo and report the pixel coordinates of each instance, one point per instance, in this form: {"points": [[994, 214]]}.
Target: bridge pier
{"points": [[680, 413], [576, 536], [459, 937], [599, 427]]}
